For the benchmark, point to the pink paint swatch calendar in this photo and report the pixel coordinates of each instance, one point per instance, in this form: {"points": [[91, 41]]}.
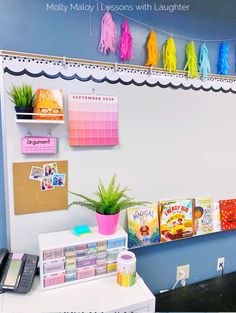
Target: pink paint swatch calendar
{"points": [[93, 120]]}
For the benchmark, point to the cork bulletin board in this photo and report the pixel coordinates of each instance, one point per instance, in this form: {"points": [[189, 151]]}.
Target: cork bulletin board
{"points": [[28, 196]]}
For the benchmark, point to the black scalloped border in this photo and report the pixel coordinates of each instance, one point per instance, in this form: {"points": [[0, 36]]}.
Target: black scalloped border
{"points": [[117, 81]]}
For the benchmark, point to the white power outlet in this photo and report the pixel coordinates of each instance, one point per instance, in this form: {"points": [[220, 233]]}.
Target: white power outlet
{"points": [[180, 270], [220, 264]]}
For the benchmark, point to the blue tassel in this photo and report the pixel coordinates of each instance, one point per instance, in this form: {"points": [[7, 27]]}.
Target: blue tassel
{"points": [[204, 64], [223, 63]]}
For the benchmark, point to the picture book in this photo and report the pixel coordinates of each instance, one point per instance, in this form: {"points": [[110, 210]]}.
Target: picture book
{"points": [[143, 226], [216, 219], [176, 219], [228, 214], [49, 103], [203, 216]]}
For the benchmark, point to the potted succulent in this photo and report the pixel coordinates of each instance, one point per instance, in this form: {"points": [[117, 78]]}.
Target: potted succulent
{"points": [[24, 99], [110, 201]]}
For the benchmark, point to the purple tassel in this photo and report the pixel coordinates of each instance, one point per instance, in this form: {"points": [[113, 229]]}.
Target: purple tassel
{"points": [[108, 34]]}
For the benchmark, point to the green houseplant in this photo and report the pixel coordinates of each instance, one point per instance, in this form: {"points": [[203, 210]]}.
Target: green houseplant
{"points": [[24, 99], [110, 201]]}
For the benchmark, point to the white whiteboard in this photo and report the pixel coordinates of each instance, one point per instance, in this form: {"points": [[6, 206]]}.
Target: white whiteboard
{"points": [[173, 143]]}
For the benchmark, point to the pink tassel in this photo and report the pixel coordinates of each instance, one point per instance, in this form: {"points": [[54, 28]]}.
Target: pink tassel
{"points": [[125, 45], [108, 34]]}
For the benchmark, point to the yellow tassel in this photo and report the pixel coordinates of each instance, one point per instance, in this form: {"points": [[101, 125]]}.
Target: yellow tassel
{"points": [[169, 55], [152, 50]]}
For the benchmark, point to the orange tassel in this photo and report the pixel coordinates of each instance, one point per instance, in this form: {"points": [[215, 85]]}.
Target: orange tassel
{"points": [[152, 50]]}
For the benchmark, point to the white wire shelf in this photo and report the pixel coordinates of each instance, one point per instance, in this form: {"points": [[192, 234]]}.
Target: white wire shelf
{"points": [[36, 121], [24, 121]]}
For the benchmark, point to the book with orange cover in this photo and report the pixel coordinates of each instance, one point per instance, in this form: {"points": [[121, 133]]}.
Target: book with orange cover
{"points": [[176, 219], [50, 103], [228, 214]]}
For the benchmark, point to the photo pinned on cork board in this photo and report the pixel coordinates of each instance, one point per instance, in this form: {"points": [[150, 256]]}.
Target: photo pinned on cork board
{"points": [[58, 180], [30, 195], [36, 173], [50, 169]]}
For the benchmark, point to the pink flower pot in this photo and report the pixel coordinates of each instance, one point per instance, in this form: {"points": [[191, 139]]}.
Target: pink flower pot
{"points": [[107, 223]]}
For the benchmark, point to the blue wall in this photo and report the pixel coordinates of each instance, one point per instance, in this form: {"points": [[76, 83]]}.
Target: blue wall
{"points": [[3, 240], [157, 264], [31, 27], [26, 25]]}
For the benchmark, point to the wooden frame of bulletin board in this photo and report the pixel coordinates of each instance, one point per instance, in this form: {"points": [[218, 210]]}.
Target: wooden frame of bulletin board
{"points": [[39, 201]]}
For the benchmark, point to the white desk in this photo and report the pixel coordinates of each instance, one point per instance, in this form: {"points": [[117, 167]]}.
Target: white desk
{"points": [[1, 303], [93, 296]]}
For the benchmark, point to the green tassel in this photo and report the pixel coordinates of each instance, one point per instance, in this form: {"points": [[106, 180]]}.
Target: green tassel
{"points": [[191, 64]]}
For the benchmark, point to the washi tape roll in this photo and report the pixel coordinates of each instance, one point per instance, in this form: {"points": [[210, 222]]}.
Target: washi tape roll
{"points": [[126, 268]]}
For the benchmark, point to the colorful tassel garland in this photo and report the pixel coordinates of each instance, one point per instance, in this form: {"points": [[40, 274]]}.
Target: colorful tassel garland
{"points": [[204, 63], [108, 34], [223, 63], [191, 64], [125, 45], [169, 55], [152, 50]]}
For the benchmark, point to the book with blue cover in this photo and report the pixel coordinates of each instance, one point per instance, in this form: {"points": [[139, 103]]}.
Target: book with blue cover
{"points": [[143, 226]]}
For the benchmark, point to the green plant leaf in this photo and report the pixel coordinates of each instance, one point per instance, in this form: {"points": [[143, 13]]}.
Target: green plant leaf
{"points": [[22, 96], [111, 200], [85, 204]]}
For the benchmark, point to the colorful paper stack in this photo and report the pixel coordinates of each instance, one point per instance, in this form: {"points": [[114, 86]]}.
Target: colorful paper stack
{"points": [[93, 120]]}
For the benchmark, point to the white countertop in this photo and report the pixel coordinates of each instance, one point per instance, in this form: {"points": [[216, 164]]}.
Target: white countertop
{"points": [[1, 303], [93, 296]]}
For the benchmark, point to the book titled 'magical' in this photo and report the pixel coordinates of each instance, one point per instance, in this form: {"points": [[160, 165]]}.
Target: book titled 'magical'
{"points": [[143, 226]]}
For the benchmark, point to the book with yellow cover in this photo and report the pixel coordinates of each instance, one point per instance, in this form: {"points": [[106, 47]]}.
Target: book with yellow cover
{"points": [[143, 226], [49, 103], [176, 219], [203, 216]]}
